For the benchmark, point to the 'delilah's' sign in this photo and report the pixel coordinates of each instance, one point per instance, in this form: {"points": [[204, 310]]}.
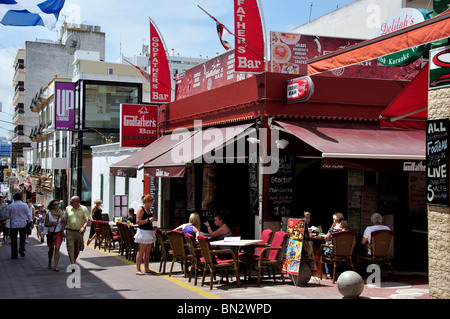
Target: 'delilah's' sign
{"points": [[398, 20]]}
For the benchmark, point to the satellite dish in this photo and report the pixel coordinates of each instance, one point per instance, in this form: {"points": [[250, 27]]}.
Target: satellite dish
{"points": [[72, 43]]}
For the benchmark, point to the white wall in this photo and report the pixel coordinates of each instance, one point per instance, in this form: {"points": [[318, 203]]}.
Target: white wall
{"points": [[358, 20], [103, 156]]}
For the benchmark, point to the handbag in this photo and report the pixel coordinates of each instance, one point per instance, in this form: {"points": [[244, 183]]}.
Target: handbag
{"points": [[50, 234]]}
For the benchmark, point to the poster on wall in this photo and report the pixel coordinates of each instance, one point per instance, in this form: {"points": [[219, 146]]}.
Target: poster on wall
{"points": [[138, 124], [289, 53], [437, 156], [209, 189]]}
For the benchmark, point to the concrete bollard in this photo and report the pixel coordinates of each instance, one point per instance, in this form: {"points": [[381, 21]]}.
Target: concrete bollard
{"points": [[350, 284]]}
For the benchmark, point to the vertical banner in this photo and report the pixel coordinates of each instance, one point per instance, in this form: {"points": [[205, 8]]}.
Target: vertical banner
{"points": [[160, 81], [437, 162], [249, 38], [65, 106], [138, 125]]}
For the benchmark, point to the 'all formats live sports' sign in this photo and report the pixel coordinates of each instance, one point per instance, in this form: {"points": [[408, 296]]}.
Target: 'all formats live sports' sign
{"points": [[437, 162], [138, 125]]}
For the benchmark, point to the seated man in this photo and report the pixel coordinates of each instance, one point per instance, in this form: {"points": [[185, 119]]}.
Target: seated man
{"points": [[131, 216], [377, 221]]}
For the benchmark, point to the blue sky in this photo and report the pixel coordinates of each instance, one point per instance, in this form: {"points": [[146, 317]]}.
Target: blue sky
{"points": [[184, 27]]}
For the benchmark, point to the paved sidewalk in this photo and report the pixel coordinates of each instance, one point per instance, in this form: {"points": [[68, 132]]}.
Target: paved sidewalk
{"points": [[109, 276]]}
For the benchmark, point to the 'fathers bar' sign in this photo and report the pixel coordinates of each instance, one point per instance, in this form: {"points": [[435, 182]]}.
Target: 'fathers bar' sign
{"points": [[437, 162]]}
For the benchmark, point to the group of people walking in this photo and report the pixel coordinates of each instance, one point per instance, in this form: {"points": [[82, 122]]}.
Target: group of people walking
{"points": [[51, 224]]}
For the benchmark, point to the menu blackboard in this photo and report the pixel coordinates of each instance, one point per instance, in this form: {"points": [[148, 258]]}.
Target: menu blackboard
{"points": [[281, 185], [154, 185], [437, 162], [253, 188]]}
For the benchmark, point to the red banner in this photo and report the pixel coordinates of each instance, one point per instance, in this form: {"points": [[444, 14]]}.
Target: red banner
{"points": [[138, 124], [291, 51], [249, 42], [160, 83]]}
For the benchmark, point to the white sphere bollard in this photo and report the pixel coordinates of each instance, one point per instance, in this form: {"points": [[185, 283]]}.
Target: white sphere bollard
{"points": [[304, 274], [350, 284]]}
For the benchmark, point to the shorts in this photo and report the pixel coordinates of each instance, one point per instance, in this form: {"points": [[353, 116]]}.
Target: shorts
{"points": [[75, 241], [144, 236]]}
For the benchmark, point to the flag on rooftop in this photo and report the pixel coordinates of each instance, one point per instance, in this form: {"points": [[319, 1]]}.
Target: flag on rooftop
{"points": [[144, 74], [221, 30], [26, 13]]}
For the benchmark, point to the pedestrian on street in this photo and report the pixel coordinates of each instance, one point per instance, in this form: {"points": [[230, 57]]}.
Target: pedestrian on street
{"points": [[3, 207], [30, 224], [53, 222], [19, 214], [75, 221], [40, 222]]}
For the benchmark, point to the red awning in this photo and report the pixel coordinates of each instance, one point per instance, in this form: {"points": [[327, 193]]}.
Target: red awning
{"points": [[351, 140], [128, 167], [205, 145], [409, 108], [430, 30]]}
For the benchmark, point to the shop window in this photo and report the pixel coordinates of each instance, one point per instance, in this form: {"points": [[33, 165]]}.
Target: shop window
{"points": [[102, 104]]}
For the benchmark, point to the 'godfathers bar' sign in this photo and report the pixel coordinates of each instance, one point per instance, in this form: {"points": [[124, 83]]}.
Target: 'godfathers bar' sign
{"points": [[138, 124], [437, 162]]}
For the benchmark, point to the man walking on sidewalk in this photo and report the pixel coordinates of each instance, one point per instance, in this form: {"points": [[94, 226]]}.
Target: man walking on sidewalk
{"points": [[19, 214], [75, 221]]}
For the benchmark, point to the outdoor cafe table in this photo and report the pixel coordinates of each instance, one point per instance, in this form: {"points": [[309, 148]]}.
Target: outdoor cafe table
{"points": [[235, 244]]}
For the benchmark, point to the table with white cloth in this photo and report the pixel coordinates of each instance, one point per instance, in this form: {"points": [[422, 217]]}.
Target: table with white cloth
{"points": [[235, 244]]}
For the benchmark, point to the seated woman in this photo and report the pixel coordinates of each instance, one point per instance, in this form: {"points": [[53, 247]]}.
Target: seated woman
{"points": [[192, 227], [222, 231], [377, 221], [339, 224]]}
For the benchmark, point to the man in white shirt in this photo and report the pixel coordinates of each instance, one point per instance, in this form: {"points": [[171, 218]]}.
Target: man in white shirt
{"points": [[19, 214], [377, 221]]}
